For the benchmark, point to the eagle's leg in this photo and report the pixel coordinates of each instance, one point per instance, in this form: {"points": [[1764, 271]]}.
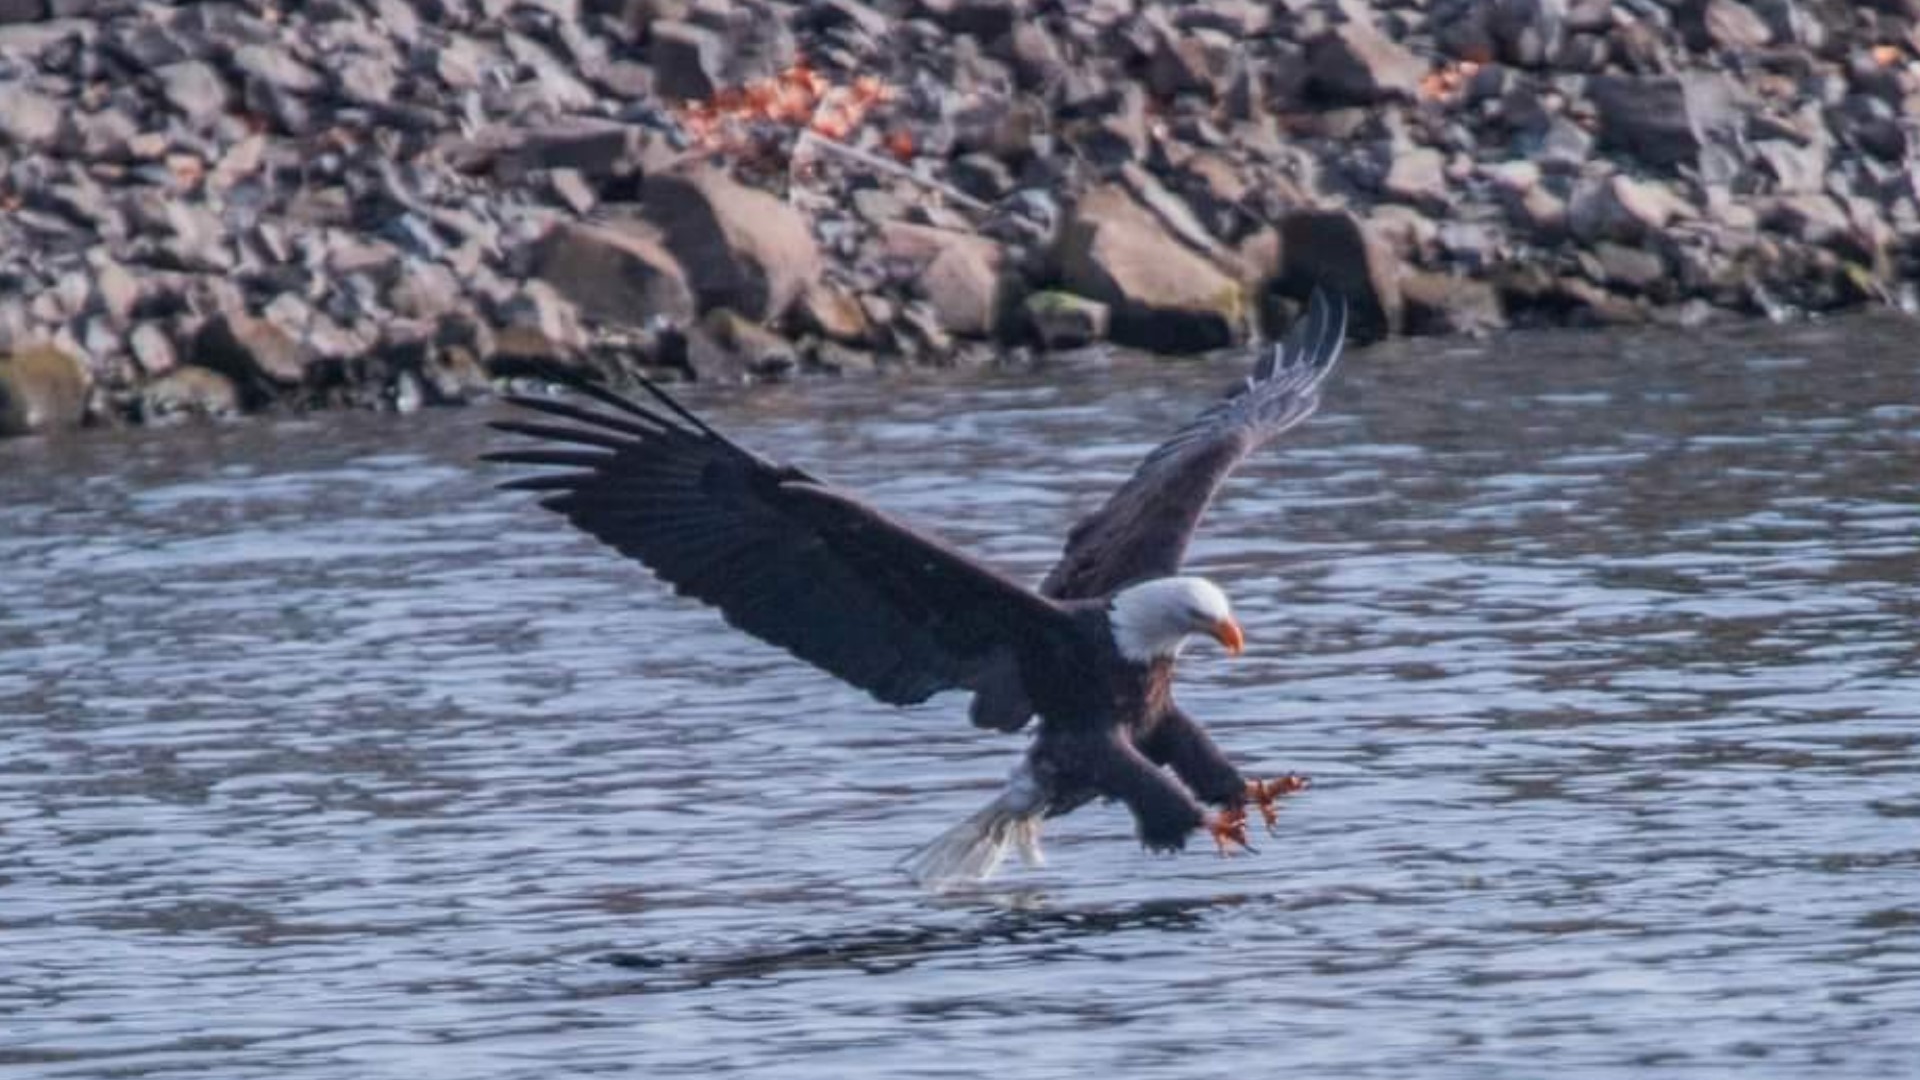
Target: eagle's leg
{"points": [[1176, 741], [1163, 810], [1266, 794]]}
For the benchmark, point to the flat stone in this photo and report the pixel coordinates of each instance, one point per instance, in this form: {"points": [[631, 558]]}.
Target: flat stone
{"points": [[741, 248], [1419, 177], [619, 273], [1163, 296]]}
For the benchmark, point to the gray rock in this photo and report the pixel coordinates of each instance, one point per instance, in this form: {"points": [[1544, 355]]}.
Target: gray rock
{"points": [[1444, 304], [1623, 209], [1796, 169], [1816, 219], [571, 190], [1355, 64], [1637, 268], [425, 290], [620, 273], [195, 89], [966, 287], [1664, 121], [1564, 145], [1163, 296], [31, 119], [152, 348], [1419, 177], [1729, 24], [116, 291], [42, 388], [276, 67], [260, 357], [741, 248]]}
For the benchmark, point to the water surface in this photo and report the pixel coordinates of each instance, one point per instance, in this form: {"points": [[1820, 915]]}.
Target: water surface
{"points": [[321, 758]]}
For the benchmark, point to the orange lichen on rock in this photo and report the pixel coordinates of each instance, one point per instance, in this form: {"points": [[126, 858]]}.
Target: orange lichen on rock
{"points": [[798, 98], [1447, 83]]}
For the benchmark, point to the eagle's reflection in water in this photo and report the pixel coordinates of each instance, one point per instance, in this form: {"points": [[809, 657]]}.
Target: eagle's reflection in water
{"points": [[1020, 918]]}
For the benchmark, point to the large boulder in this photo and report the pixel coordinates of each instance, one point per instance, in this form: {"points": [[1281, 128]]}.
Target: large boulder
{"points": [[41, 389], [261, 357], [963, 276], [741, 247], [620, 272], [1333, 249], [1665, 120], [1162, 295]]}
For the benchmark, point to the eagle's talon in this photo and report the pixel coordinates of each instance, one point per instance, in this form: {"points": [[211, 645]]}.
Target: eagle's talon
{"points": [[1266, 795], [1229, 830]]}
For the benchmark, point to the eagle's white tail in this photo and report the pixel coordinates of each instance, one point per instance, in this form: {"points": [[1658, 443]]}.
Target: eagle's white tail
{"points": [[972, 850]]}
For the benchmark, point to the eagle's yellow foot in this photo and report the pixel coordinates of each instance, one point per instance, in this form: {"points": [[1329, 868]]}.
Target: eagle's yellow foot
{"points": [[1266, 794], [1229, 830]]}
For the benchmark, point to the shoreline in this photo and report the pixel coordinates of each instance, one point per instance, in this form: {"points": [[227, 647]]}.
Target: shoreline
{"points": [[217, 208]]}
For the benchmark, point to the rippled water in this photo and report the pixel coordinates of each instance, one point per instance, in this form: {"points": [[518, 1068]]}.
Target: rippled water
{"points": [[320, 758]]}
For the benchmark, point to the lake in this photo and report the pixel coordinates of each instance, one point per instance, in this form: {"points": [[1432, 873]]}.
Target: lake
{"points": [[319, 757]]}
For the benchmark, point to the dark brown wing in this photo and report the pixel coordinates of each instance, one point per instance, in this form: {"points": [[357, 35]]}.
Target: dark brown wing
{"points": [[785, 558], [1144, 528]]}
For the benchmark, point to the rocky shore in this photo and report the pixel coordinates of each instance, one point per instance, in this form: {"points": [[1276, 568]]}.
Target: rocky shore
{"points": [[208, 208]]}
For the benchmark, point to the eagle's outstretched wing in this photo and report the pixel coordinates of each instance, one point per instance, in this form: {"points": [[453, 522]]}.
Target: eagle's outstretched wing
{"points": [[1144, 528], [790, 560]]}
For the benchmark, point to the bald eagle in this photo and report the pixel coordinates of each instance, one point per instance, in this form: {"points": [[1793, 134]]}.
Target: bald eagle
{"points": [[902, 615]]}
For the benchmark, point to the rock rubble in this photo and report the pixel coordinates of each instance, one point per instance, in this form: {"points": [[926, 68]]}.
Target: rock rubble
{"points": [[224, 206]]}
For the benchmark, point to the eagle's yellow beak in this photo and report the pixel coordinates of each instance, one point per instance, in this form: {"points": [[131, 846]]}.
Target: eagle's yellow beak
{"points": [[1227, 633]]}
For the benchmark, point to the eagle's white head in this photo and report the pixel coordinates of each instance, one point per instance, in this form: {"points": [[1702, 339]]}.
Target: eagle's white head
{"points": [[1155, 618]]}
